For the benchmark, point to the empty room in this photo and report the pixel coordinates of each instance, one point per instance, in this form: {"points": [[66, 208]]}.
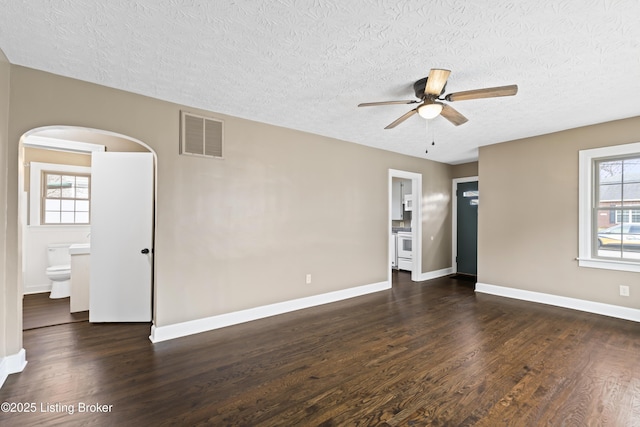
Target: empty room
{"points": [[312, 212]]}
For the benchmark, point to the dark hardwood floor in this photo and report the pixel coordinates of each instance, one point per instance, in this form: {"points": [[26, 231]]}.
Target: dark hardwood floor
{"points": [[40, 311], [430, 353]]}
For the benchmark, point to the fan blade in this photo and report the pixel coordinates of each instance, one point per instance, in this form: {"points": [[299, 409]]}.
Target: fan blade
{"points": [[373, 104], [490, 92], [402, 118], [436, 81], [453, 115]]}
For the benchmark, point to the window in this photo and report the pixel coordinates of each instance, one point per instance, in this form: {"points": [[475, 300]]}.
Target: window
{"points": [[65, 198], [610, 208], [616, 208]]}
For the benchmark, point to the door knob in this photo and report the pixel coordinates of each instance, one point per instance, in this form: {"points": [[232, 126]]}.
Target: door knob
{"points": [[144, 251]]}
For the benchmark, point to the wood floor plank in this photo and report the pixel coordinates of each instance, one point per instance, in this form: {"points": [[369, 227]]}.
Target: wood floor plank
{"points": [[429, 353], [41, 311]]}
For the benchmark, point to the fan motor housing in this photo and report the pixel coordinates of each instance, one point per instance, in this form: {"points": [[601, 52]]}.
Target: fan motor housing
{"points": [[418, 88]]}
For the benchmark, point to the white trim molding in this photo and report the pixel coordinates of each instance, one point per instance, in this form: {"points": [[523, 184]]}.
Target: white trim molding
{"points": [[37, 289], [12, 364], [35, 141], [610, 310], [164, 333], [429, 275]]}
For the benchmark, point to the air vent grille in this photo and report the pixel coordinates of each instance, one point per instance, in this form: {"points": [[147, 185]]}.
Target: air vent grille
{"points": [[201, 136]]}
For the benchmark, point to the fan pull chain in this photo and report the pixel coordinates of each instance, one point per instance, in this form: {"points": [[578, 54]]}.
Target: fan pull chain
{"points": [[433, 139]]}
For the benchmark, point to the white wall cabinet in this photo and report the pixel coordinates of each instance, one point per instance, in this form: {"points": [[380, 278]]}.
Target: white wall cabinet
{"points": [[399, 189]]}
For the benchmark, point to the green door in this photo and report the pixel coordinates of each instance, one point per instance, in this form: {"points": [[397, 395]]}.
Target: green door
{"points": [[467, 226]]}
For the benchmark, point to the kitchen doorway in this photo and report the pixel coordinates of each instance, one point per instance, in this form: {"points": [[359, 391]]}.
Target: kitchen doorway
{"points": [[414, 232]]}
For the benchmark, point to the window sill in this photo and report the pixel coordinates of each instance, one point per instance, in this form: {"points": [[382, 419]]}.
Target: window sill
{"points": [[50, 227], [609, 264]]}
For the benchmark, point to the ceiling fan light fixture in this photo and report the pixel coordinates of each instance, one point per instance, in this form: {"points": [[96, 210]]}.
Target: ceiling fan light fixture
{"points": [[429, 91], [430, 111]]}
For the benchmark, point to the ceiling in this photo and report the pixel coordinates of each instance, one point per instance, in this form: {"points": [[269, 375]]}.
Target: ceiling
{"points": [[307, 64]]}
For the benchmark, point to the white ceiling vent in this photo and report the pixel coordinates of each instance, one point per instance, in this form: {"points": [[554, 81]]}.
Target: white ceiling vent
{"points": [[201, 136]]}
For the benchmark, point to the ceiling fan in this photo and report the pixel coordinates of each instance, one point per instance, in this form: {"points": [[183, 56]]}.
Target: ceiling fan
{"points": [[429, 91]]}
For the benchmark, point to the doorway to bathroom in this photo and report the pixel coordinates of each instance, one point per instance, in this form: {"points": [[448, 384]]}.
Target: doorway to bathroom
{"points": [[60, 148]]}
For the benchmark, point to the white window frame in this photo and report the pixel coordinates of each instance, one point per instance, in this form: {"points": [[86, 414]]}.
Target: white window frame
{"points": [[35, 190], [585, 202], [62, 202]]}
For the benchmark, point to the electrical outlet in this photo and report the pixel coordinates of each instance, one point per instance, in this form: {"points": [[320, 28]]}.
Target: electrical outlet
{"points": [[308, 279], [624, 291]]}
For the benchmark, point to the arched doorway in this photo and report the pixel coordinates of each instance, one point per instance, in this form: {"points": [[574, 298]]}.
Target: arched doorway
{"points": [[60, 145]]}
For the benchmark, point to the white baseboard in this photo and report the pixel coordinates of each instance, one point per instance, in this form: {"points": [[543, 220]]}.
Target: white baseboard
{"points": [[610, 310], [436, 274], [163, 333], [12, 364], [37, 289]]}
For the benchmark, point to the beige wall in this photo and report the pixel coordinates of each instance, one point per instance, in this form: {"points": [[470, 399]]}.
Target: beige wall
{"points": [[244, 231], [528, 216], [51, 156], [465, 170], [10, 343]]}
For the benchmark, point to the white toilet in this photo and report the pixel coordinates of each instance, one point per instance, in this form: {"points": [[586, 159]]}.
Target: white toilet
{"points": [[59, 270]]}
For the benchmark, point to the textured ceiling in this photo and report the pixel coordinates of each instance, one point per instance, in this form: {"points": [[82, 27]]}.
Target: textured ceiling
{"points": [[306, 64]]}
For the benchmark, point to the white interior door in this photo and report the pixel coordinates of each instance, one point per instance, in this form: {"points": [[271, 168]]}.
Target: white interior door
{"points": [[121, 237]]}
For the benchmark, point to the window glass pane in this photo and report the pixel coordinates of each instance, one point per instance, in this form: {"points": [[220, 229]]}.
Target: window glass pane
{"points": [[82, 187], [53, 192], [631, 192], [53, 180], [630, 241], [67, 217], [82, 193], [609, 238], [610, 183], [68, 186], [83, 206], [51, 205], [67, 192], [631, 180], [610, 195], [53, 185], [622, 239], [604, 219], [68, 205], [610, 171], [82, 217], [632, 168], [52, 217]]}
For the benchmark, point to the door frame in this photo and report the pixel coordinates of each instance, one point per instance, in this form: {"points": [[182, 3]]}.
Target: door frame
{"points": [[454, 217], [416, 221], [71, 145]]}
